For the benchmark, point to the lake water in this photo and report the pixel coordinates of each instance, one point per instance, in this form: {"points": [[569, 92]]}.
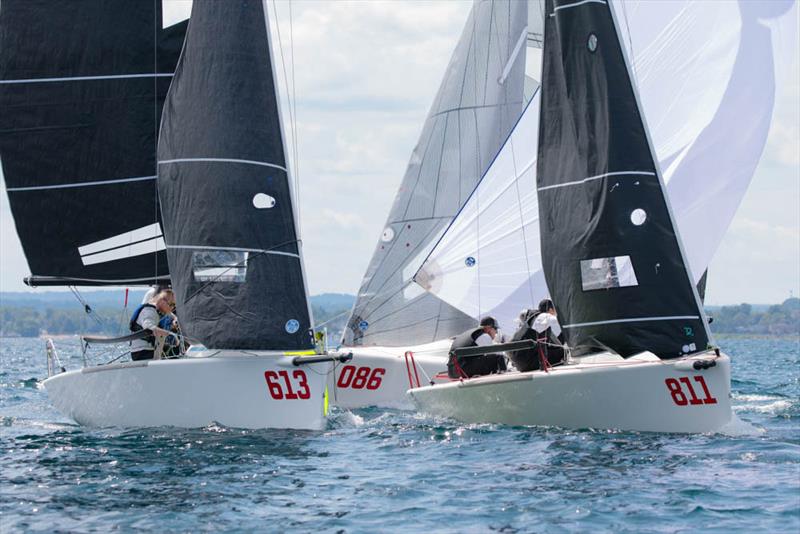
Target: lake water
{"points": [[383, 470]]}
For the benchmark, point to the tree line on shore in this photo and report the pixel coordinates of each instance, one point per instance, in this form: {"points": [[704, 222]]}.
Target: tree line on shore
{"points": [[779, 319]]}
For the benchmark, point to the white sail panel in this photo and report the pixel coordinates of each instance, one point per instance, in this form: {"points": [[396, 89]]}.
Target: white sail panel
{"points": [[483, 262], [694, 63]]}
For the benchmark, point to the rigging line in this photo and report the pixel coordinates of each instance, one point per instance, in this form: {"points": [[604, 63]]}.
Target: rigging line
{"points": [[292, 120], [296, 148], [332, 319], [630, 38], [88, 309]]}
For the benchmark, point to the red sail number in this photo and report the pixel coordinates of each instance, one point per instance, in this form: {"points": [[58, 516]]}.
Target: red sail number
{"points": [[681, 399], [276, 381], [360, 377]]}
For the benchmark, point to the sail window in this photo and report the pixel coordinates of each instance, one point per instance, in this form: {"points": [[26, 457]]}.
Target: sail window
{"points": [[638, 216], [387, 235], [219, 265], [263, 201], [607, 273]]}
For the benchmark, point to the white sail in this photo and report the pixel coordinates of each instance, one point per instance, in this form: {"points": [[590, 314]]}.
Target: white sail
{"points": [[694, 64]]}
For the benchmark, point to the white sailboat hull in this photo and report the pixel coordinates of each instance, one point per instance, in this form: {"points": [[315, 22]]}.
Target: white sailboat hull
{"points": [[381, 376], [230, 388], [643, 394]]}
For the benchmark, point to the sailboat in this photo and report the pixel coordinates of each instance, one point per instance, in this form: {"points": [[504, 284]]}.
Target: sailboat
{"points": [[487, 261], [235, 261], [643, 357]]}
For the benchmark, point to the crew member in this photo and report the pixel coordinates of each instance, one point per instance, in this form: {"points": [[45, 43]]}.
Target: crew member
{"points": [[468, 366], [540, 325], [146, 317], [548, 332]]}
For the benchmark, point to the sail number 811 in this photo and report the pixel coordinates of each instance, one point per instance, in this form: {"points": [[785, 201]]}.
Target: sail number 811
{"points": [[679, 397]]}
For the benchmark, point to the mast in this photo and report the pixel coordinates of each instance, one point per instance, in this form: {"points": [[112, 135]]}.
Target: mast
{"points": [[612, 256], [229, 223]]}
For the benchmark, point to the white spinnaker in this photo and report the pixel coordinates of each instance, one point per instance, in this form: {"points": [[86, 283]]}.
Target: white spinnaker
{"points": [[695, 64]]}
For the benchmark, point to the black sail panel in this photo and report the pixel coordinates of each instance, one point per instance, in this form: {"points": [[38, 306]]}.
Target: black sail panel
{"points": [[611, 254], [225, 195], [82, 85], [478, 102]]}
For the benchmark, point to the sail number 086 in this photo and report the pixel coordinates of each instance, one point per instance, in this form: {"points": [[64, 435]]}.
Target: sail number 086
{"points": [[360, 377], [676, 388]]}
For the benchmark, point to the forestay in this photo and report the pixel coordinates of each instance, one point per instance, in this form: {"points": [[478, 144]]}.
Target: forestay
{"points": [[226, 200], [478, 101], [610, 252], [82, 85], [694, 63]]}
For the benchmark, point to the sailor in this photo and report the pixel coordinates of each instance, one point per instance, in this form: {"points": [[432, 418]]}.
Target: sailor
{"points": [[146, 317], [169, 321], [540, 325], [465, 367], [153, 291]]}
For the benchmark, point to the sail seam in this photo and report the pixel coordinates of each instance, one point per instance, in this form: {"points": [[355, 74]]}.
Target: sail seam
{"points": [[81, 184], [238, 249], [598, 177], [633, 320], [87, 78], [223, 160], [576, 4]]}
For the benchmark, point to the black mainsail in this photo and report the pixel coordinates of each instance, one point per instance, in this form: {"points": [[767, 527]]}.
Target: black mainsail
{"points": [[230, 228], [612, 256], [82, 84], [478, 102]]}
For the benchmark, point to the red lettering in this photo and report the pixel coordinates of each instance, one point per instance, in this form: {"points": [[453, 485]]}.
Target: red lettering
{"points": [[375, 378], [688, 383], [677, 394], [305, 392], [274, 386], [346, 376], [291, 395], [276, 389], [360, 379], [709, 399]]}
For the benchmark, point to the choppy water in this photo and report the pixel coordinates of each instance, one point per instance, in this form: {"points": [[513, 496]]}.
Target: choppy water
{"points": [[378, 470]]}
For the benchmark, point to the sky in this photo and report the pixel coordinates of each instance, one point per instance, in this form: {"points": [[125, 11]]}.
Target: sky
{"points": [[365, 76]]}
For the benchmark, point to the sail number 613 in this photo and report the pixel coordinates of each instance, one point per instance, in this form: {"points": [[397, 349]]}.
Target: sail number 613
{"points": [[296, 386], [676, 388]]}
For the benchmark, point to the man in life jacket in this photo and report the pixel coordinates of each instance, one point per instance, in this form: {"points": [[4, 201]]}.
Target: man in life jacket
{"points": [[468, 366], [146, 317], [540, 325]]}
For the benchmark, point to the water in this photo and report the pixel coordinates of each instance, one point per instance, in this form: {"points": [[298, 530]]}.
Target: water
{"points": [[382, 470]]}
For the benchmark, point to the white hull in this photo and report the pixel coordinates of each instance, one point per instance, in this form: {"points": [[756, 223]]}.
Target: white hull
{"points": [[391, 372], [641, 393], [231, 388]]}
